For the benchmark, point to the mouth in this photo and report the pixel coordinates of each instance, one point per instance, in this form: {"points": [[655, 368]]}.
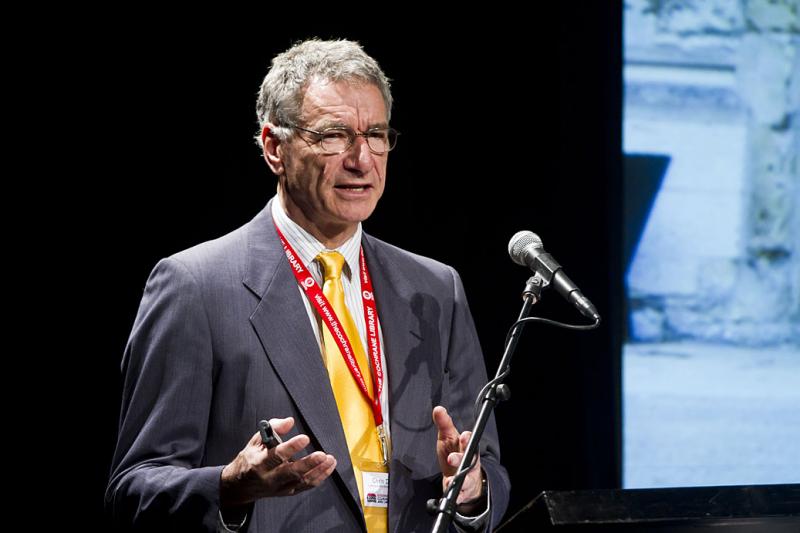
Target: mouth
{"points": [[361, 187]]}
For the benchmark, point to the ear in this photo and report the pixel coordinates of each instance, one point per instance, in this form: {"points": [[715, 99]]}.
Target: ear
{"points": [[272, 150]]}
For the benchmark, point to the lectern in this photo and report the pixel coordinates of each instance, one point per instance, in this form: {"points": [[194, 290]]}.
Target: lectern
{"points": [[729, 509]]}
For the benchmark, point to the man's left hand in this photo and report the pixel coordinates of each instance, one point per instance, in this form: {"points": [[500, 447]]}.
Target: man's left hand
{"points": [[450, 447]]}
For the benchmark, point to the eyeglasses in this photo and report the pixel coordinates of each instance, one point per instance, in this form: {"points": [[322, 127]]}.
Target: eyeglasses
{"points": [[339, 139]]}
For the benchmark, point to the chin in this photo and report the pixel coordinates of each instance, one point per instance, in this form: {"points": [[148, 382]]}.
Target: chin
{"points": [[355, 214], [353, 218]]}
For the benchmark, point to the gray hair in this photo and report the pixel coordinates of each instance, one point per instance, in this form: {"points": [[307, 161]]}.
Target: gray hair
{"points": [[281, 96]]}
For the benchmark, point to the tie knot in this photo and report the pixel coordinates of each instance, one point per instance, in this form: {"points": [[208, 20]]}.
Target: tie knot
{"points": [[332, 263]]}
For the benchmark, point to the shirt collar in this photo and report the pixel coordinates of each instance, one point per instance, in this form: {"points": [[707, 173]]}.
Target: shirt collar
{"points": [[307, 246]]}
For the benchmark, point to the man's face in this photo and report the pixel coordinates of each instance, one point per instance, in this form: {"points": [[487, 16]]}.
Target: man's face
{"points": [[334, 192]]}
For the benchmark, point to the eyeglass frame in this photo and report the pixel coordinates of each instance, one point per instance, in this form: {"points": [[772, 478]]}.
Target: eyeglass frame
{"points": [[355, 133]]}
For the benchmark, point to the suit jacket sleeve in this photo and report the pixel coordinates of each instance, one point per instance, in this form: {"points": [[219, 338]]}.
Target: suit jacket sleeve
{"points": [[156, 480], [465, 374]]}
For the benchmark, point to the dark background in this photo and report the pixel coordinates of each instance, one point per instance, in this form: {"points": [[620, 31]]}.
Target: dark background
{"points": [[508, 122]]}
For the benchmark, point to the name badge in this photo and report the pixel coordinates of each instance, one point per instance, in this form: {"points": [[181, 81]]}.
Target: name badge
{"points": [[376, 489]]}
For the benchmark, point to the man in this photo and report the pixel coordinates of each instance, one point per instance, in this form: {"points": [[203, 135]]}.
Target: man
{"points": [[347, 341]]}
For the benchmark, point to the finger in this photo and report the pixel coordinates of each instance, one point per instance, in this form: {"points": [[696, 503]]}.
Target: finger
{"points": [[444, 424], [446, 480], [281, 426], [447, 439], [463, 440], [288, 449], [309, 462], [255, 440], [463, 443], [256, 449], [320, 472], [454, 459], [292, 477]]}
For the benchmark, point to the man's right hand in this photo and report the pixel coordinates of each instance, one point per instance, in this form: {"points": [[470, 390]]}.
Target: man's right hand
{"points": [[258, 472]]}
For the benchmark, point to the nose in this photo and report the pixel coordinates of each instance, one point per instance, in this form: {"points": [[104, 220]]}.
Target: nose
{"points": [[359, 158]]}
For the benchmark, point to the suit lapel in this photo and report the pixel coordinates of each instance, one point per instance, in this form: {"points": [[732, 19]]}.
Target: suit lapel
{"points": [[283, 327]]}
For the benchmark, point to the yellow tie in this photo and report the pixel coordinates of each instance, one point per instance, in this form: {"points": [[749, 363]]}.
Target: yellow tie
{"points": [[354, 410]]}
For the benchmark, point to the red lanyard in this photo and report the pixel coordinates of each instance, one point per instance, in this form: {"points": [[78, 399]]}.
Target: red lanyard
{"points": [[317, 298]]}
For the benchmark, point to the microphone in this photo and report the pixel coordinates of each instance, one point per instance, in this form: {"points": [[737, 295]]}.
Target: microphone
{"points": [[526, 249]]}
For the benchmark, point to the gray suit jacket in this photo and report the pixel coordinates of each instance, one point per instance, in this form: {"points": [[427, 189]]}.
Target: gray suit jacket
{"points": [[222, 340]]}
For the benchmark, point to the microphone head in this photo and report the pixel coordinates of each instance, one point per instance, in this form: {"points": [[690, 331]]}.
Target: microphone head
{"points": [[521, 241]]}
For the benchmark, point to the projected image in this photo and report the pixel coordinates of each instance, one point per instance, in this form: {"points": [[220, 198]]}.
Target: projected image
{"points": [[712, 183]]}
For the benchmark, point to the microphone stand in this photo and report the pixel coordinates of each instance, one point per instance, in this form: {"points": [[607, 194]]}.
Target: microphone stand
{"points": [[498, 391]]}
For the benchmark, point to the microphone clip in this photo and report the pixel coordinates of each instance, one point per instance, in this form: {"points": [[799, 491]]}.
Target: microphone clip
{"points": [[534, 287]]}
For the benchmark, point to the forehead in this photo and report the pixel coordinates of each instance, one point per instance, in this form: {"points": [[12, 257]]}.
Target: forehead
{"points": [[347, 103]]}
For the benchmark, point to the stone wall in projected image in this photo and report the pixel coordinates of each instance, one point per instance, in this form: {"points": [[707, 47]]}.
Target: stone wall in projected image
{"points": [[715, 86]]}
